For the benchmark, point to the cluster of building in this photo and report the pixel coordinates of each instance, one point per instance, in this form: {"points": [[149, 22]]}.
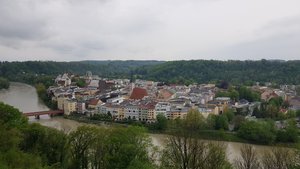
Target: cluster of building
{"points": [[144, 100]]}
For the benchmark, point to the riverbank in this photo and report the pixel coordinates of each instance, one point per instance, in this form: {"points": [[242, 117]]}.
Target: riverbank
{"points": [[210, 135], [158, 139]]}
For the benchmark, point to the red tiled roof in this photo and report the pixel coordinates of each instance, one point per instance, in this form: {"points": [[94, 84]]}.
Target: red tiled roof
{"points": [[148, 106], [94, 101], [138, 93], [165, 94]]}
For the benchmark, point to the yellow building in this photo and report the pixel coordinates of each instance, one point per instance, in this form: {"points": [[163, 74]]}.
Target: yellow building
{"points": [[116, 111], [147, 113], [206, 110], [69, 106], [151, 114], [220, 104], [60, 102], [177, 113], [121, 113]]}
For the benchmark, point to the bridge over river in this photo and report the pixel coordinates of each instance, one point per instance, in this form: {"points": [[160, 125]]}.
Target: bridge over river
{"points": [[39, 113]]}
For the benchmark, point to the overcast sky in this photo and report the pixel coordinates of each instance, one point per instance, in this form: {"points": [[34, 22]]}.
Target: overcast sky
{"points": [[69, 30]]}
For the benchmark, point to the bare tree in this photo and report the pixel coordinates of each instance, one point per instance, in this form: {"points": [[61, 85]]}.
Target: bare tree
{"points": [[248, 158], [185, 152], [279, 158]]}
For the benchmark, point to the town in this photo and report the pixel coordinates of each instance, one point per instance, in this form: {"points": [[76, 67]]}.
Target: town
{"points": [[143, 100]]}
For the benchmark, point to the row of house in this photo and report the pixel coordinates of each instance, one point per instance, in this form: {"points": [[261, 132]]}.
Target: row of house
{"points": [[147, 110], [144, 100]]}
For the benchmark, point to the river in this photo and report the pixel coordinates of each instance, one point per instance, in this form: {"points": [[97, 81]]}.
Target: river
{"points": [[24, 97]]}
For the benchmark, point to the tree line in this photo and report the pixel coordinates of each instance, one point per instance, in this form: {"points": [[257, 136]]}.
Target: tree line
{"points": [[179, 72], [213, 71]]}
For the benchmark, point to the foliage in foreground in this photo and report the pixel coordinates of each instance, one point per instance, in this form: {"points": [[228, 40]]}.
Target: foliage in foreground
{"points": [[32, 146], [186, 152]]}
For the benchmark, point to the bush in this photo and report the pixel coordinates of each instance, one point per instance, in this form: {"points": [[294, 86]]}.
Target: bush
{"points": [[4, 83], [258, 131]]}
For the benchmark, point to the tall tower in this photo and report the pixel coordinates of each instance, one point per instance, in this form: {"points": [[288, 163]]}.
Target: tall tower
{"points": [[89, 75]]}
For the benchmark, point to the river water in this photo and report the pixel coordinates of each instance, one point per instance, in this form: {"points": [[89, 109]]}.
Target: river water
{"points": [[24, 97]]}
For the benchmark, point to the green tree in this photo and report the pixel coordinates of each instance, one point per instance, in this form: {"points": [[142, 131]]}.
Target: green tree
{"points": [[4, 83], [11, 116], [229, 114], [193, 121], [80, 142], [11, 122], [258, 113], [80, 82], [291, 114], [211, 121], [161, 122], [258, 131], [99, 149], [127, 146], [43, 95], [246, 93], [218, 122], [49, 144], [233, 94], [238, 121], [298, 113], [289, 133], [15, 159], [221, 122], [272, 111]]}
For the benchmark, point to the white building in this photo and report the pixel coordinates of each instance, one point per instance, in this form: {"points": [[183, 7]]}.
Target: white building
{"points": [[162, 108], [132, 112], [115, 100], [63, 80], [81, 107]]}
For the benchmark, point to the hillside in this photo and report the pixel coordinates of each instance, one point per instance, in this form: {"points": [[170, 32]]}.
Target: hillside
{"points": [[15, 71], [185, 72], [203, 71]]}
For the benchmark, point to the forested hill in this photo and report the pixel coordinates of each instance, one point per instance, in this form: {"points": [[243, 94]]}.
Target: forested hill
{"points": [[201, 71], [13, 70], [236, 72]]}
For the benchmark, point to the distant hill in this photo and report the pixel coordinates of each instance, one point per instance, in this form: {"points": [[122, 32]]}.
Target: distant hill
{"points": [[185, 72], [236, 72], [126, 63], [102, 68]]}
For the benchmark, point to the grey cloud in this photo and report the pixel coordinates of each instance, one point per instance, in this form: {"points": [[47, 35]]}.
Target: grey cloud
{"points": [[19, 23], [283, 46], [148, 29]]}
